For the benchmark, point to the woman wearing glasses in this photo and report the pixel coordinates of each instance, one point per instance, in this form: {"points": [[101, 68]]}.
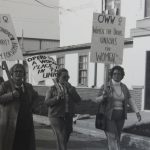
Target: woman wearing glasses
{"points": [[17, 129], [116, 96]]}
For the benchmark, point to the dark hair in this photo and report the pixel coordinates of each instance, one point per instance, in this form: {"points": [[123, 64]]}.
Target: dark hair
{"points": [[14, 67], [59, 72], [117, 68]]}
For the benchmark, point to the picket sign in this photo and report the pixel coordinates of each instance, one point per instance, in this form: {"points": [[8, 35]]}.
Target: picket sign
{"points": [[9, 51], [107, 41], [43, 67]]}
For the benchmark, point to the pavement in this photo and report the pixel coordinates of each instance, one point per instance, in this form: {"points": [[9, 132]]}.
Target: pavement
{"points": [[86, 125]]}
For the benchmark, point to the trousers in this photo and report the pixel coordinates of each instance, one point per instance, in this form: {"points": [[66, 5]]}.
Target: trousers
{"points": [[62, 127], [113, 130]]}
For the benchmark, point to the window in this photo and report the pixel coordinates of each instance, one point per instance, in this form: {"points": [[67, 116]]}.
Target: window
{"points": [[83, 70], [61, 62]]}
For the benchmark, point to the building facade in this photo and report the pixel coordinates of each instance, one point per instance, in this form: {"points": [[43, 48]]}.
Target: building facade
{"points": [[75, 56]]}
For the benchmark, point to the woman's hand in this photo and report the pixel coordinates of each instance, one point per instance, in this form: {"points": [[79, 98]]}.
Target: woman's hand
{"points": [[138, 116], [15, 93], [102, 97], [105, 94]]}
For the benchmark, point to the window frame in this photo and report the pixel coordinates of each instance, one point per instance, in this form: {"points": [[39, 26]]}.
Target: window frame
{"points": [[63, 64], [86, 69]]}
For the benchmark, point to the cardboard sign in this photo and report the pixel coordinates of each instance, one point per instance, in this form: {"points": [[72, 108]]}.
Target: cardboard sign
{"points": [[107, 39], [9, 47], [42, 67]]}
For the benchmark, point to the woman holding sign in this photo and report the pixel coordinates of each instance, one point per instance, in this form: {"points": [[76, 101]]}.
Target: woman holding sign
{"points": [[17, 129], [116, 97], [61, 99]]}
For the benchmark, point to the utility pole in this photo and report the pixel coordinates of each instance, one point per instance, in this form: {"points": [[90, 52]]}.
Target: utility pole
{"points": [[22, 38], [109, 7]]}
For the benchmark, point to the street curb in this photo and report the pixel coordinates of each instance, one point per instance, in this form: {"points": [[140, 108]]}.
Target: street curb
{"points": [[95, 133], [136, 141], [131, 140]]}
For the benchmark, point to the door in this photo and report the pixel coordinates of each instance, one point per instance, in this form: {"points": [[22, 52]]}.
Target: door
{"points": [[147, 82]]}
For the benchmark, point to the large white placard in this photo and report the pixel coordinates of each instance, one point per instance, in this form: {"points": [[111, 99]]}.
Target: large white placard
{"points": [[42, 67], [9, 47], [107, 39]]}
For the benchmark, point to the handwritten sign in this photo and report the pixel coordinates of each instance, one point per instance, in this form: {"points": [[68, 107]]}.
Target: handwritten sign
{"points": [[107, 39], [42, 67], [9, 47]]}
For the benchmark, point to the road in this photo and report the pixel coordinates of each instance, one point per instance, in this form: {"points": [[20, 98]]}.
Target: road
{"points": [[45, 140]]}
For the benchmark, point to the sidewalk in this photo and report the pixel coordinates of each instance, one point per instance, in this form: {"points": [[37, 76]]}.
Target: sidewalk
{"points": [[87, 126]]}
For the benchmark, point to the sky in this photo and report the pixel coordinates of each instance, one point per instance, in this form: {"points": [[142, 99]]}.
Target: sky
{"points": [[37, 19], [49, 18], [67, 20], [76, 21]]}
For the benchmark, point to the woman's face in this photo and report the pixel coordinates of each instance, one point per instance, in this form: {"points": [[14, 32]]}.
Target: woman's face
{"points": [[64, 77], [117, 75], [18, 75]]}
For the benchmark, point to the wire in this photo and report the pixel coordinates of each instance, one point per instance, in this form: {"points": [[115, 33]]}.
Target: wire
{"points": [[31, 4], [52, 7], [55, 7]]}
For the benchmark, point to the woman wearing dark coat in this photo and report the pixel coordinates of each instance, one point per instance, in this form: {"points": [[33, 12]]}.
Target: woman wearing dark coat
{"points": [[61, 99], [115, 97], [19, 127]]}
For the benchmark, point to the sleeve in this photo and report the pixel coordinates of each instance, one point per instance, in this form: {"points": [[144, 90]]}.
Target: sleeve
{"points": [[99, 97], [50, 98], [131, 101], [35, 95], [100, 92], [74, 95], [133, 105], [5, 96]]}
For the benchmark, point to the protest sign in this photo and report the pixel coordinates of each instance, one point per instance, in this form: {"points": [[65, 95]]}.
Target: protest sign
{"points": [[9, 47], [107, 39], [42, 67]]}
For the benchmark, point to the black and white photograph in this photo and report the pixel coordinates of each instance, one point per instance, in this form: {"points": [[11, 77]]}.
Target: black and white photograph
{"points": [[74, 74]]}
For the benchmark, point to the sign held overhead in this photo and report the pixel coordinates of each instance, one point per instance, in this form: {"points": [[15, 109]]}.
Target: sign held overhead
{"points": [[107, 39], [9, 46], [42, 67]]}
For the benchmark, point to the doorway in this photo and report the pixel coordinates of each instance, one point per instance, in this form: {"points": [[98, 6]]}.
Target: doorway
{"points": [[147, 82]]}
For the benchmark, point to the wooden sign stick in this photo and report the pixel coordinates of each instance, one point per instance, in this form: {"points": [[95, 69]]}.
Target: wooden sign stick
{"points": [[4, 65]]}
